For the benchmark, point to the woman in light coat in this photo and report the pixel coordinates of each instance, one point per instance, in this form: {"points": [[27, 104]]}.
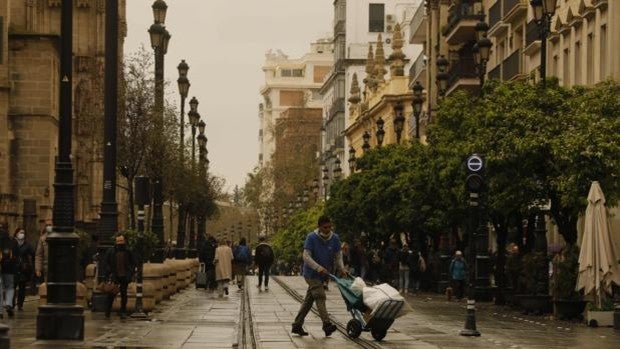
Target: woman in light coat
{"points": [[223, 266]]}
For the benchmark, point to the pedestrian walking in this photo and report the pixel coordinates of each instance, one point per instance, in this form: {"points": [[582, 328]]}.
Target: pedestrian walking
{"points": [[242, 258], [358, 259], [404, 257], [458, 274], [207, 256], [321, 253], [41, 254], [223, 267], [263, 259], [25, 266], [118, 267], [390, 263], [8, 267]]}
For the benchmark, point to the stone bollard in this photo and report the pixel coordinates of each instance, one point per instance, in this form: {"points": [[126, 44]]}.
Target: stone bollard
{"points": [[80, 291], [89, 281], [180, 274], [151, 276], [188, 272], [5, 341], [167, 280]]}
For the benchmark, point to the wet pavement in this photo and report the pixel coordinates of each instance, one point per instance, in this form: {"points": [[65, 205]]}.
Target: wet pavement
{"points": [[190, 319], [198, 319], [436, 323]]}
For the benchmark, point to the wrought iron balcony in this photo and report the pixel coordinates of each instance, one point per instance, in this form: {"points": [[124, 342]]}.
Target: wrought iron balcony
{"points": [[463, 74], [514, 8], [532, 38], [495, 73], [418, 26], [495, 14], [462, 19], [416, 72], [511, 66]]}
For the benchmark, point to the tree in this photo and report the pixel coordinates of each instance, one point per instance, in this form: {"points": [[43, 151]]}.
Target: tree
{"points": [[289, 241]]}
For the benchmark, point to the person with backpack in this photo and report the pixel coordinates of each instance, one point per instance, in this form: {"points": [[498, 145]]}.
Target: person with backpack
{"points": [[263, 258], [458, 274], [242, 258]]}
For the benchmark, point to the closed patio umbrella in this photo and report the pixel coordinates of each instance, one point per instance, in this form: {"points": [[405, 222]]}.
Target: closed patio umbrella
{"points": [[598, 261]]}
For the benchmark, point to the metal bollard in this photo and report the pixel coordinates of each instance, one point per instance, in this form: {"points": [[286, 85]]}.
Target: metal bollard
{"points": [[5, 341]]}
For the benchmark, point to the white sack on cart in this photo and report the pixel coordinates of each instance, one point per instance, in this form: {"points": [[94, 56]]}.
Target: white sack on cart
{"points": [[375, 296], [358, 285]]}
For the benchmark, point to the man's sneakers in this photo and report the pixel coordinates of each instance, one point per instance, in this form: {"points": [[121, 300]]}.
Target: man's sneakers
{"points": [[9, 311], [299, 330], [266, 288], [329, 328]]}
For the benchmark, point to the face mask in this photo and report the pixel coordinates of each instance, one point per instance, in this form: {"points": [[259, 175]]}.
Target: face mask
{"points": [[48, 229], [21, 236]]}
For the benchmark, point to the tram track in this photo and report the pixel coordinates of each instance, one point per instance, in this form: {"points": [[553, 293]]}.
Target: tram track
{"points": [[342, 328]]}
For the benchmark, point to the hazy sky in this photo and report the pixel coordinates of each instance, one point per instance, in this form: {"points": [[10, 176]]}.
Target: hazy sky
{"points": [[224, 42]]}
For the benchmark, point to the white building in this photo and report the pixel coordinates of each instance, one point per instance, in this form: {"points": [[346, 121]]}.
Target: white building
{"points": [[290, 83], [357, 24]]}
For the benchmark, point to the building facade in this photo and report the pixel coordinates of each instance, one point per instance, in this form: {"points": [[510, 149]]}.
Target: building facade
{"points": [[29, 107], [290, 83], [357, 26]]}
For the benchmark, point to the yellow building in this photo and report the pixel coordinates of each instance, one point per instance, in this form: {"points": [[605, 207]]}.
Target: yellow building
{"points": [[384, 98]]}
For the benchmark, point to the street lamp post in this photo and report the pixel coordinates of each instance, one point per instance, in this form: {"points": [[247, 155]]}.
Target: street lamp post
{"points": [[202, 157], [61, 317], [352, 159], [418, 100], [183, 84], [442, 75], [543, 12], [315, 189], [159, 42], [399, 120], [194, 118], [380, 132], [325, 182], [366, 145], [337, 170], [142, 198], [482, 51]]}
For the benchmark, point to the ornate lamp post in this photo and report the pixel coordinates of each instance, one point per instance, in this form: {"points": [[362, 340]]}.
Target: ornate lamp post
{"points": [[194, 118], [183, 84], [141, 195], [399, 120], [543, 12], [366, 145], [482, 51], [315, 189], [160, 38], [337, 170], [418, 100], [325, 182], [442, 75], [380, 132], [202, 159], [352, 159], [61, 317]]}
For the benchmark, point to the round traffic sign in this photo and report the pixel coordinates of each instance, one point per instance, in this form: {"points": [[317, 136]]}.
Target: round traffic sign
{"points": [[474, 163]]}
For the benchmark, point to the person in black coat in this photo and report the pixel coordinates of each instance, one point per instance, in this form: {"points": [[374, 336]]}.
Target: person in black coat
{"points": [[263, 258], [8, 267], [206, 256], [118, 267], [25, 266]]}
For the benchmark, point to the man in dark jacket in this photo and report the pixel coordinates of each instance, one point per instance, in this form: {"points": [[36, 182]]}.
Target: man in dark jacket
{"points": [[119, 266], [25, 266], [8, 267], [206, 256], [263, 258]]}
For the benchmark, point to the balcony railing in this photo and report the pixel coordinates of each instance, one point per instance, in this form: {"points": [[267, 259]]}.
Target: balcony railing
{"points": [[495, 14], [417, 20], [512, 66], [512, 7], [496, 73], [418, 66], [465, 68], [532, 33], [460, 11]]}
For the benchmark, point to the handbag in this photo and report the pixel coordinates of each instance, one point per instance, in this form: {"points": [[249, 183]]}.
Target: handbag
{"points": [[109, 287]]}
